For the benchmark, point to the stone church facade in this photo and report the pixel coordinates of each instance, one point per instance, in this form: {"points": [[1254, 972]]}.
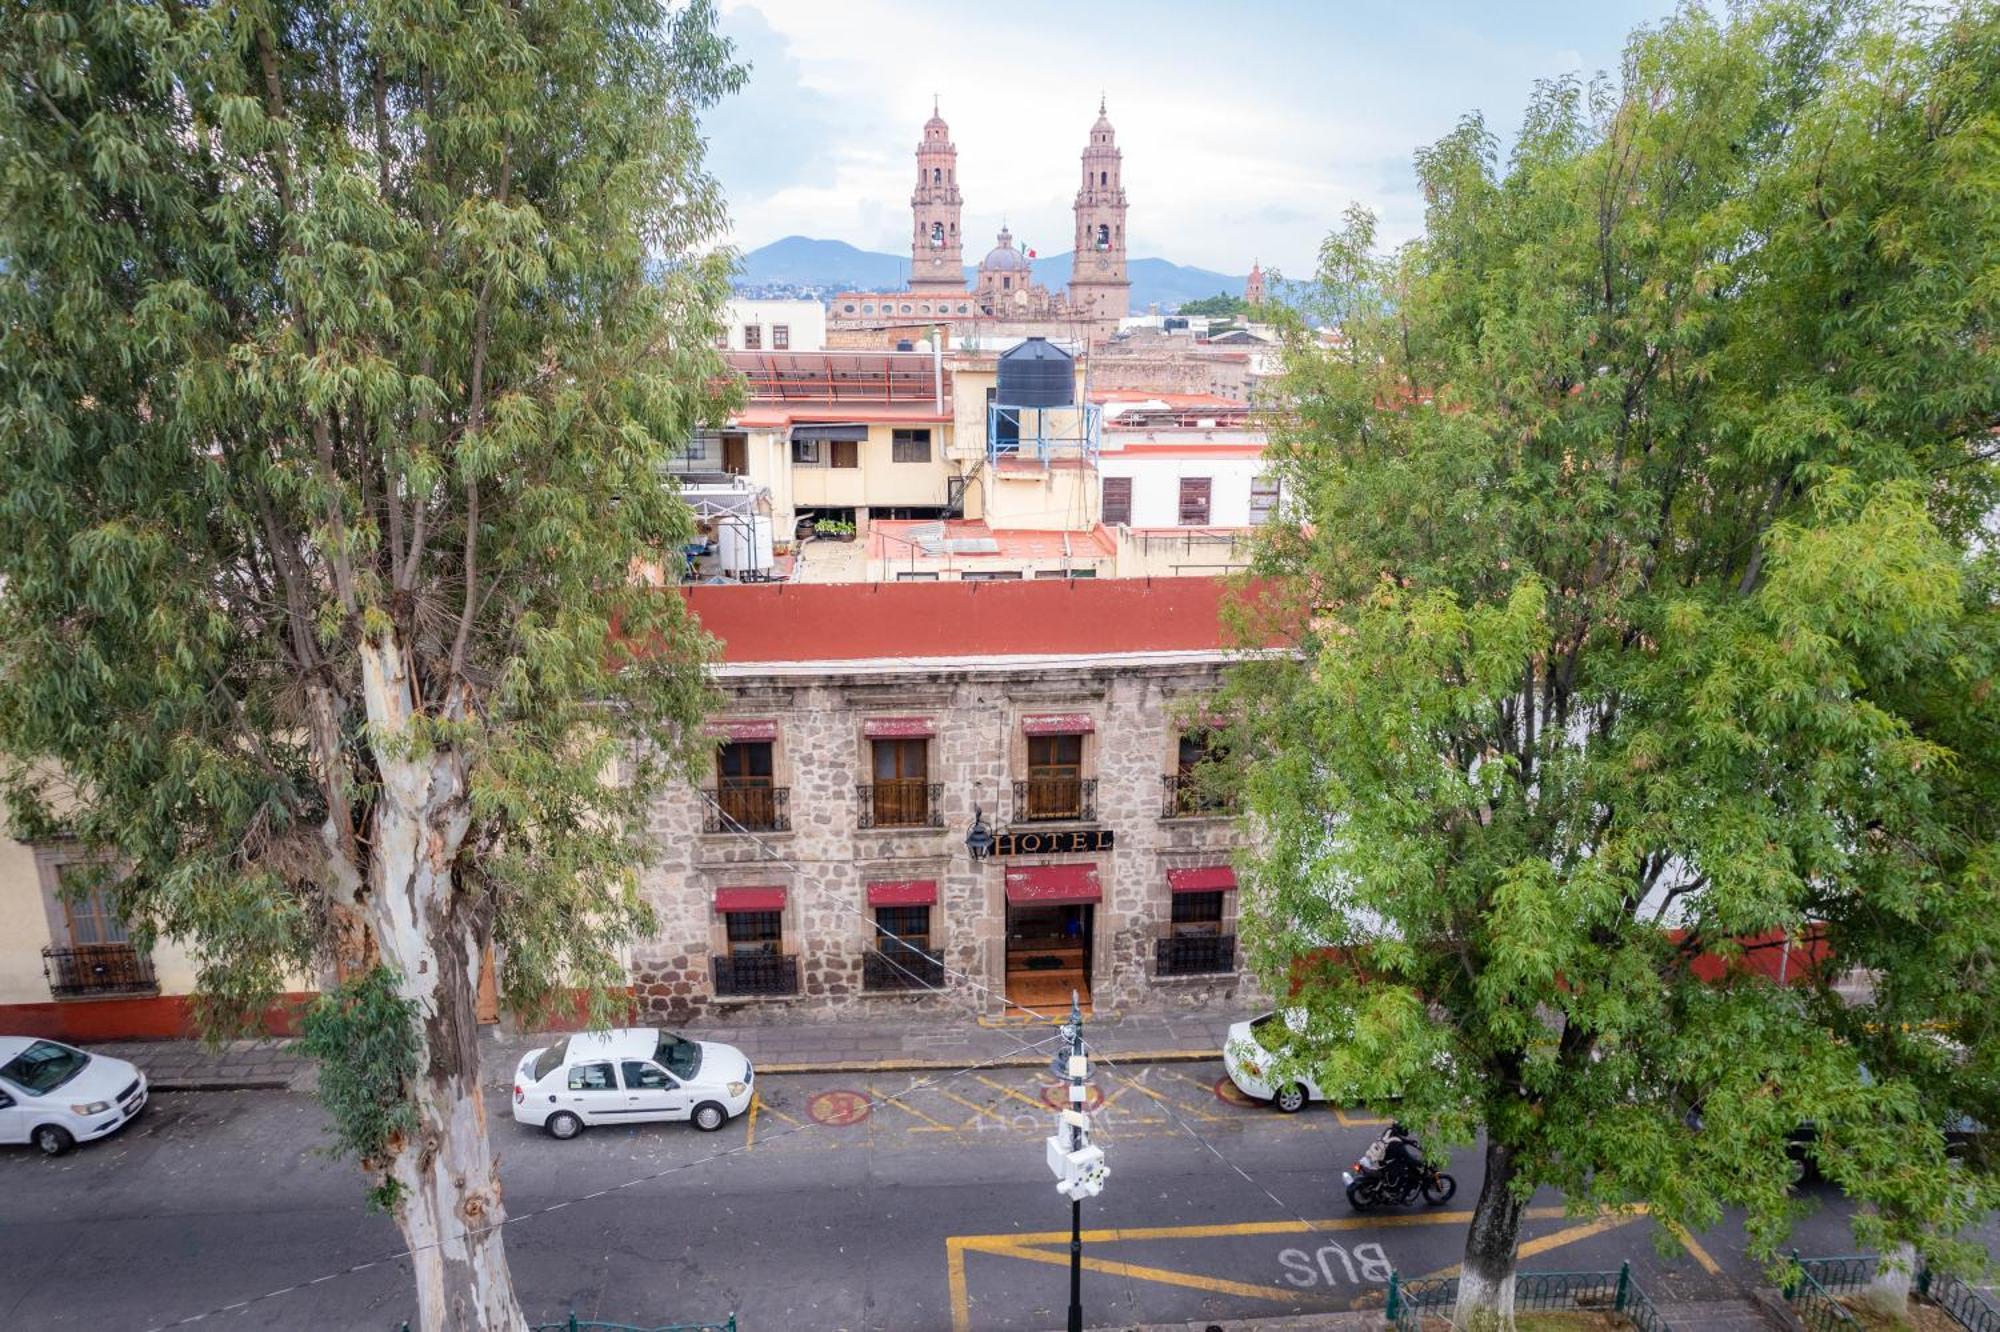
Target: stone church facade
{"points": [[1004, 289]]}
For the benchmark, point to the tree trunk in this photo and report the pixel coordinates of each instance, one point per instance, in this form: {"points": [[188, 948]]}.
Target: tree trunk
{"points": [[448, 1197], [1889, 1290], [1486, 1278]]}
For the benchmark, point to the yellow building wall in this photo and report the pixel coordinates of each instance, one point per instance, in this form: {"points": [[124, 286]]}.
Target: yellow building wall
{"points": [[877, 481], [24, 926]]}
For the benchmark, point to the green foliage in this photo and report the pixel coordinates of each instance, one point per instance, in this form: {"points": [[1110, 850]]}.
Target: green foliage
{"points": [[364, 1035], [1219, 306], [333, 325], [832, 527], [1647, 625]]}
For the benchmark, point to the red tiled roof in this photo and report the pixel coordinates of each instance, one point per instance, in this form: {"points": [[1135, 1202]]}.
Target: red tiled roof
{"points": [[780, 622]]}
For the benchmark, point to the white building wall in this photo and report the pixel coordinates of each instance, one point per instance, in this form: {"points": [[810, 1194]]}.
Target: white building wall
{"points": [[804, 323], [1156, 486]]}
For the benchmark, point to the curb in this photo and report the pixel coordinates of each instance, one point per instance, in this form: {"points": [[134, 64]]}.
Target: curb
{"points": [[896, 1065], [912, 1065]]}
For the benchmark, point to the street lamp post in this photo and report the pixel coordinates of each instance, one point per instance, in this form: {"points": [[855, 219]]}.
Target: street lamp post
{"points": [[1078, 1167], [1077, 1093]]}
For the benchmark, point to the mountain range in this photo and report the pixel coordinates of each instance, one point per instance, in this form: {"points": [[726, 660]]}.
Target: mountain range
{"points": [[802, 261]]}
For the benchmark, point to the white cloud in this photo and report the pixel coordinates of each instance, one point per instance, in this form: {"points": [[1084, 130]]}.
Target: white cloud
{"points": [[1222, 166]]}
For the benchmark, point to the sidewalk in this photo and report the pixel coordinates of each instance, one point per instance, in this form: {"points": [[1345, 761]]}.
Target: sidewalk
{"points": [[922, 1041]]}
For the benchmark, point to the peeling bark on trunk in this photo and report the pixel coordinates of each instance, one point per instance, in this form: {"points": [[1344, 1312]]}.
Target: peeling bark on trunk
{"points": [[1486, 1278], [449, 1205]]}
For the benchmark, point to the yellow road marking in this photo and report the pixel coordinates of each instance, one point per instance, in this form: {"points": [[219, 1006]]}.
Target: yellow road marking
{"points": [[1198, 1086], [954, 1273], [1005, 1090], [774, 1110], [750, 1139], [1699, 1254], [1159, 1274], [1218, 1230], [1017, 1246], [975, 1107], [1569, 1235], [1355, 1121], [907, 1107], [1142, 1089]]}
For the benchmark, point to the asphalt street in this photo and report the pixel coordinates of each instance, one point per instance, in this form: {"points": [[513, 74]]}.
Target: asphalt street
{"points": [[846, 1206]]}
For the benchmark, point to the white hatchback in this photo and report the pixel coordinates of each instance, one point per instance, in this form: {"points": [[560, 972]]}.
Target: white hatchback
{"points": [[55, 1095], [1252, 1049], [630, 1075]]}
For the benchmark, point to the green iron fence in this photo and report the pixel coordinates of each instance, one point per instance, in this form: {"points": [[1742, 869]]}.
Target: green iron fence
{"points": [[1411, 1302], [1960, 1302], [1816, 1306], [1818, 1283]]}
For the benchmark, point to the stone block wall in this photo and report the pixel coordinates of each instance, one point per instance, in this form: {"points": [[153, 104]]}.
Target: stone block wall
{"points": [[978, 749]]}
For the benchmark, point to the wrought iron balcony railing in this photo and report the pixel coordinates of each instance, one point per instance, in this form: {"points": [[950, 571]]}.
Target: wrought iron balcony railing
{"points": [[756, 808], [98, 969], [901, 966], [1184, 796], [1194, 954], [1053, 799], [757, 973], [903, 803]]}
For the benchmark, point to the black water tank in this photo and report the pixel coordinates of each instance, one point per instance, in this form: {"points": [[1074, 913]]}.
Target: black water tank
{"points": [[1036, 374]]}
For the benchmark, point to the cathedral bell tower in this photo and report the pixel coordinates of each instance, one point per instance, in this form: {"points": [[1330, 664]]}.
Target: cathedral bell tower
{"points": [[1098, 287], [937, 263]]}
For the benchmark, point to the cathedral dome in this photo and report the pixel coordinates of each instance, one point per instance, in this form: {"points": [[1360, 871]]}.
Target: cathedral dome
{"points": [[1004, 258]]}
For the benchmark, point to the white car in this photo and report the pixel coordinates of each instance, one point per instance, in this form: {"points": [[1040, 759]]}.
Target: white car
{"points": [[630, 1075], [55, 1095], [1250, 1051]]}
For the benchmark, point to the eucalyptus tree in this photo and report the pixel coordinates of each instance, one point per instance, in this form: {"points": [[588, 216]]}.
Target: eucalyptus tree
{"points": [[341, 347], [1646, 636]]}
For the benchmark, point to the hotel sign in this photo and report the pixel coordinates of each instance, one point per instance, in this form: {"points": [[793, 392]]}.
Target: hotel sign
{"points": [[1055, 842]]}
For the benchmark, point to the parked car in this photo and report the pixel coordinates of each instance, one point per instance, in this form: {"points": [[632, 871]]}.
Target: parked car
{"points": [[1251, 1050], [55, 1095], [630, 1075]]}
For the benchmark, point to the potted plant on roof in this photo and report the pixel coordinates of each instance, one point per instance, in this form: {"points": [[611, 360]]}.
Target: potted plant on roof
{"points": [[832, 529]]}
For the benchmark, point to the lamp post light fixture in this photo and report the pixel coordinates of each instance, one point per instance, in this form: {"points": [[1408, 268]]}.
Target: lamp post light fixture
{"points": [[979, 838]]}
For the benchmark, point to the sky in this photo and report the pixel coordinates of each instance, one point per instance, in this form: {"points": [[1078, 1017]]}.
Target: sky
{"points": [[1247, 128]]}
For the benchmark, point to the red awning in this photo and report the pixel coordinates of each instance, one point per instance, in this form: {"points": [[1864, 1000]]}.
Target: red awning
{"points": [[897, 728], [744, 730], [1058, 723], [750, 899], [903, 892], [1206, 879], [1054, 883]]}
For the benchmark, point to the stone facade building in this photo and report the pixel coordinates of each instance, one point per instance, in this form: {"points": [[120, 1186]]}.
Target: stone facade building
{"points": [[823, 868]]}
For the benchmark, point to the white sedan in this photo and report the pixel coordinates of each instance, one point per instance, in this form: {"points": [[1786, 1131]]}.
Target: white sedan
{"points": [[55, 1095], [630, 1075], [1251, 1050]]}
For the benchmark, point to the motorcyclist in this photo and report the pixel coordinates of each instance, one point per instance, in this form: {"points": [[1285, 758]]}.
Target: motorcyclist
{"points": [[1395, 1154]]}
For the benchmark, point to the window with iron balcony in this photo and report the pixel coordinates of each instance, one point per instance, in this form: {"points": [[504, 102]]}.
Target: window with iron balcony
{"points": [[1194, 943], [93, 954], [745, 796], [902, 794], [901, 958], [755, 962], [1055, 788], [1196, 788]]}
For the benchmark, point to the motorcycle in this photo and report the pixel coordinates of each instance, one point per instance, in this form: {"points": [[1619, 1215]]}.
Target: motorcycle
{"points": [[1375, 1181]]}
